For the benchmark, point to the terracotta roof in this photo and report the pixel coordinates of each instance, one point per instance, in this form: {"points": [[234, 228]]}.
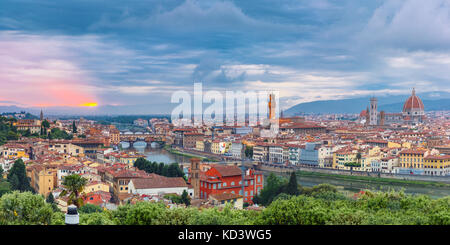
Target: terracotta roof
{"points": [[413, 151], [413, 102], [157, 181], [225, 196], [228, 170]]}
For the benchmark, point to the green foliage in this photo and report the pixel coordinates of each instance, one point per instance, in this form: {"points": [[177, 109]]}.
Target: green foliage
{"points": [[90, 208], [45, 124], [171, 170], [74, 128], [174, 198], [249, 151], [185, 198], [17, 176], [57, 133], [352, 164], [24, 208], [274, 186], [73, 187], [292, 186], [312, 207], [50, 198], [95, 218], [7, 131], [5, 187]]}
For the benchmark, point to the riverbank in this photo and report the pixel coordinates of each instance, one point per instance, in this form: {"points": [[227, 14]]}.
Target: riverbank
{"points": [[369, 179], [188, 155]]}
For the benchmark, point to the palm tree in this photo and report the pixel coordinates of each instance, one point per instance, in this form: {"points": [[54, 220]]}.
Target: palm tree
{"points": [[73, 186]]}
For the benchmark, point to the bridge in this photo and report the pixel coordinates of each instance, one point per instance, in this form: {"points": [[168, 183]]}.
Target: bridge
{"points": [[142, 137]]}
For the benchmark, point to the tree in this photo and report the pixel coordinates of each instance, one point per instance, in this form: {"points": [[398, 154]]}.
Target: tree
{"points": [[50, 198], [140, 163], [17, 177], [352, 165], [274, 186], [24, 208], [45, 124], [292, 186], [1, 173], [74, 128], [160, 168], [5, 187], [90, 208], [73, 187], [185, 198], [249, 151]]}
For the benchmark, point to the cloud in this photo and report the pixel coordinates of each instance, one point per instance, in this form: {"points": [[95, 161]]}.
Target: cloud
{"points": [[140, 52], [412, 24]]}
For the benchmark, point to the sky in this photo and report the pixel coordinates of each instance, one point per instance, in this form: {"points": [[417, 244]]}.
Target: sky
{"points": [[91, 52]]}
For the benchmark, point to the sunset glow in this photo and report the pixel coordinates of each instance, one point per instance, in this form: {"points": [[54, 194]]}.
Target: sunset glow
{"points": [[90, 104]]}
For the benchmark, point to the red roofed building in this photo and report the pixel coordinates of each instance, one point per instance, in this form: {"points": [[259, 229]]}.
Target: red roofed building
{"points": [[221, 179], [97, 198]]}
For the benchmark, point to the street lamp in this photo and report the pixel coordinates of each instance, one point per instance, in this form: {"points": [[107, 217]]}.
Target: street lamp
{"points": [[72, 216]]}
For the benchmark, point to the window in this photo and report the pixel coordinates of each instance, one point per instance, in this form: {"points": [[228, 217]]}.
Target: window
{"points": [[232, 183], [214, 186]]}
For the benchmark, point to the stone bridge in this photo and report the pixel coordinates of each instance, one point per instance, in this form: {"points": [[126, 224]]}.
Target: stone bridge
{"points": [[148, 138]]}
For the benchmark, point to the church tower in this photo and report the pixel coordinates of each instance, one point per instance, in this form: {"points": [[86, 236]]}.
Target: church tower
{"points": [[373, 112], [42, 116], [195, 178]]}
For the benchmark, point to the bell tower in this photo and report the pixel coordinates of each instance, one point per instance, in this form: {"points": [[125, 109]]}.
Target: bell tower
{"points": [[195, 179], [373, 110]]}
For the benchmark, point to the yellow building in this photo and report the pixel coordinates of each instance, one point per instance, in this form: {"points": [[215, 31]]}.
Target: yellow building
{"points": [[412, 158], [200, 145], [215, 147], [96, 186], [343, 156], [366, 162], [66, 147], [398, 145], [43, 180], [12, 152], [437, 165]]}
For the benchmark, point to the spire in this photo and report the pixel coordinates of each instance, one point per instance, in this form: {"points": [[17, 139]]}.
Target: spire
{"points": [[414, 92], [42, 115]]}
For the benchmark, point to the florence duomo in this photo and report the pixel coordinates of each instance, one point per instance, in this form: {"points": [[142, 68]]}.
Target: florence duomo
{"points": [[413, 112]]}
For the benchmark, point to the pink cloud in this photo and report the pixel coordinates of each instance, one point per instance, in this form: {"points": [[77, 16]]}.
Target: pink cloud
{"points": [[42, 71]]}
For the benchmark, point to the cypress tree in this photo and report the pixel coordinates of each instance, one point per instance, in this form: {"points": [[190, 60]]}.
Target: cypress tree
{"points": [[292, 186]]}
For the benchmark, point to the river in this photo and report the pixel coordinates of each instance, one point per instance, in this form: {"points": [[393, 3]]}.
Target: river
{"points": [[154, 153]]}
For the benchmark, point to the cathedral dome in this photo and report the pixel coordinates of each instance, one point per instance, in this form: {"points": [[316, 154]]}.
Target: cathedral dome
{"points": [[413, 104]]}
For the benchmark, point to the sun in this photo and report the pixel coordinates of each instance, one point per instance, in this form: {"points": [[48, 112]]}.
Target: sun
{"points": [[89, 104]]}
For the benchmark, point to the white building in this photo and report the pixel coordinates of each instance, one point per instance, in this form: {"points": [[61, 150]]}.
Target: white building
{"points": [[156, 185], [237, 150]]}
